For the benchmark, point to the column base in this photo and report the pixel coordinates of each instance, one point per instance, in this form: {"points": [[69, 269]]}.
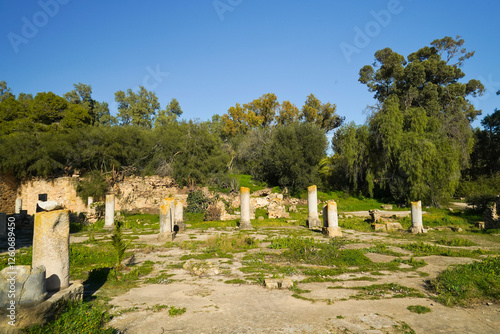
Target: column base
{"points": [[417, 229], [245, 226], [332, 232], [314, 223], [166, 236]]}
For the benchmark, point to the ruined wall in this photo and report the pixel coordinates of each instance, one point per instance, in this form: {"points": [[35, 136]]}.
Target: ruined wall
{"points": [[144, 194], [141, 194], [61, 190], [8, 187]]}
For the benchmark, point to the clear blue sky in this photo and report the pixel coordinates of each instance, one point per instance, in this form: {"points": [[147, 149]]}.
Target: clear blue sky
{"points": [[245, 48]]}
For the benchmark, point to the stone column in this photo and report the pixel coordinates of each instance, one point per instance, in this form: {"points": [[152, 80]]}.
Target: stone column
{"points": [[90, 201], [19, 205], [3, 225], [109, 219], [331, 220], [51, 247], [416, 218], [167, 219], [313, 220], [245, 222], [179, 213]]}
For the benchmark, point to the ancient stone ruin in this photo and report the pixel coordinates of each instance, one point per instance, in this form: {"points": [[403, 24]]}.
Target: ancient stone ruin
{"points": [[313, 220], [416, 218], [492, 215], [109, 219], [276, 207], [330, 220], [180, 202], [245, 222], [51, 247], [167, 219]]}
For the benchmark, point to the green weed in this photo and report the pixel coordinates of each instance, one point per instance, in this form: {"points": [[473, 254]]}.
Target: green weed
{"points": [[418, 309], [468, 283]]}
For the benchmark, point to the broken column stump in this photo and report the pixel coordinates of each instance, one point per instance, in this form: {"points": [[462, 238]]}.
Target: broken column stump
{"points": [[51, 247]]}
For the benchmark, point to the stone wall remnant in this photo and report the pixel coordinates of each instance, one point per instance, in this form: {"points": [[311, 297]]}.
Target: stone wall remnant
{"points": [[276, 207]]}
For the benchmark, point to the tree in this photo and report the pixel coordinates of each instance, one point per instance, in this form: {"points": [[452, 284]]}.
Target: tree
{"points": [[239, 120], [265, 108], [137, 108], [170, 114], [98, 111], [288, 114], [420, 131], [5, 91], [292, 155], [322, 114]]}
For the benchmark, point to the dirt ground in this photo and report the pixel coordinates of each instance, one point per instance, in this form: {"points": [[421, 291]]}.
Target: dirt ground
{"points": [[213, 306]]}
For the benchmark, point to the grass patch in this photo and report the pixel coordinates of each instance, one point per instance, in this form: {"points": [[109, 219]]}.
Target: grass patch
{"points": [[23, 257], [455, 242], [418, 309], [160, 279], [235, 281], [423, 249], [388, 290], [221, 246], [468, 283], [75, 317]]}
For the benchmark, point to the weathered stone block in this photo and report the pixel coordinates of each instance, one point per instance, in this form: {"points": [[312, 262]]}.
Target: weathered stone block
{"points": [[278, 283], [51, 247], [29, 285], [393, 226], [379, 227], [387, 206]]}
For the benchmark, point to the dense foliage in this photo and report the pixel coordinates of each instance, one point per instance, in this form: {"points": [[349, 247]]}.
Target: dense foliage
{"points": [[418, 138], [417, 143]]}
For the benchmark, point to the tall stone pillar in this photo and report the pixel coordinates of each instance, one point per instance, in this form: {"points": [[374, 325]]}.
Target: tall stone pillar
{"points": [[109, 219], [3, 225], [313, 220], [167, 219], [416, 218], [90, 201], [51, 247], [19, 205], [245, 222], [331, 220], [179, 212]]}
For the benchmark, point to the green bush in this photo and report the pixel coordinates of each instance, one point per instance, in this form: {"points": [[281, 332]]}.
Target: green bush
{"points": [[468, 283], [93, 185]]}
